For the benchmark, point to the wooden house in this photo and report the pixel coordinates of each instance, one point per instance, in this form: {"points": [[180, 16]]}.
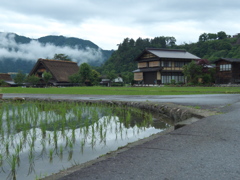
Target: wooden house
{"points": [[161, 66], [7, 80], [60, 70], [227, 71]]}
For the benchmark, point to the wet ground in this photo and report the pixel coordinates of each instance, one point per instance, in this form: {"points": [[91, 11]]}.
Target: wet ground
{"points": [[206, 149]]}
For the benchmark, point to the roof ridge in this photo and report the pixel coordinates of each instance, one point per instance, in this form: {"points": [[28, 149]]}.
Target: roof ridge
{"points": [[54, 60], [165, 49]]}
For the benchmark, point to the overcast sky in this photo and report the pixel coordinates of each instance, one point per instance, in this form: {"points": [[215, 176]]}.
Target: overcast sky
{"points": [[107, 22]]}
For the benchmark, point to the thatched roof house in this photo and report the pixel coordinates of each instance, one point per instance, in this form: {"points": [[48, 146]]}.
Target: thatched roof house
{"points": [[60, 70], [7, 79]]}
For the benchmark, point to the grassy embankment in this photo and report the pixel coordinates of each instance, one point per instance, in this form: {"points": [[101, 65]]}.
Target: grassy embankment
{"points": [[124, 90]]}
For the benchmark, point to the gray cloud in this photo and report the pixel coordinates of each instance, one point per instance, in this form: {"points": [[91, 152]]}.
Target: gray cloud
{"points": [[79, 10], [147, 18], [35, 50]]}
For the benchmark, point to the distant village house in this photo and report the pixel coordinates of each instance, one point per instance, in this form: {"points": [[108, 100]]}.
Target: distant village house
{"points": [[107, 82], [161, 66], [6, 80], [227, 71], [60, 70]]}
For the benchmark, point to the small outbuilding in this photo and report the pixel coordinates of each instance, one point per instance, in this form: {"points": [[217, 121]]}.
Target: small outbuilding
{"points": [[60, 70], [227, 71]]}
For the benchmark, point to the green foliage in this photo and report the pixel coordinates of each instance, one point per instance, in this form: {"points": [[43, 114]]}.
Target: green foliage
{"points": [[206, 78], [85, 72], [33, 80], [74, 78], [127, 77], [111, 75], [214, 46], [192, 72], [19, 78], [46, 77], [95, 77], [2, 82], [62, 57]]}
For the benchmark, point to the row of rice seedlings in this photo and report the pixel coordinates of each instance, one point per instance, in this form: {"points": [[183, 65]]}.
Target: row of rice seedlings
{"points": [[55, 119]]}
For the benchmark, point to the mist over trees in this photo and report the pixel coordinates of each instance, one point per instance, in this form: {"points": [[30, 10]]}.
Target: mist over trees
{"points": [[21, 53]]}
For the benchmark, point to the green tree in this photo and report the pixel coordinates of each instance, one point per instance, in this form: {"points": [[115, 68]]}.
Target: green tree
{"points": [[62, 57], [19, 78], [212, 36], [85, 72], [33, 80], [2, 82], [46, 77], [203, 37], [95, 77], [127, 77], [74, 78], [111, 75], [222, 35], [192, 71]]}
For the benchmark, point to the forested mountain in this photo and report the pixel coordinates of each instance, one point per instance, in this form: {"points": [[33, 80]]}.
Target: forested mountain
{"points": [[210, 46], [20, 53], [214, 46]]}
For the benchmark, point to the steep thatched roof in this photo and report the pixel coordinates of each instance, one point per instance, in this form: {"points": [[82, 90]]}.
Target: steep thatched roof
{"points": [[59, 69], [5, 77]]}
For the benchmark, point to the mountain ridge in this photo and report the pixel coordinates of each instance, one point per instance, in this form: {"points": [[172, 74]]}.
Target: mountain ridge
{"points": [[20, 53]]}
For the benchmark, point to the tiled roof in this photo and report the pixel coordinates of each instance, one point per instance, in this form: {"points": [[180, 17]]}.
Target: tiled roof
{"points": [[172, 53], [169, 53], [228, 59]]}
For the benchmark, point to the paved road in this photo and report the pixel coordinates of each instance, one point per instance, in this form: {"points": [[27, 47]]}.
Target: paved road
{"points": [[207, 149]]}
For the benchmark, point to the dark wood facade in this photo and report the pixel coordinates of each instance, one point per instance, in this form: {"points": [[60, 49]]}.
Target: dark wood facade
{"points": [[161, 66], [227, 71]]}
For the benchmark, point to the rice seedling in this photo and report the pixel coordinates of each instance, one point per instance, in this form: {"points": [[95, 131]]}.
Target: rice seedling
{"points": [[12, 161], [50, 155], [31, 158], [44, 129], [61, 152]]}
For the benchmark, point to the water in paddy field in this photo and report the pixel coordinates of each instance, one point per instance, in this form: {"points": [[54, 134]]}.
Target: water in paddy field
{"points": [[39, 138]]}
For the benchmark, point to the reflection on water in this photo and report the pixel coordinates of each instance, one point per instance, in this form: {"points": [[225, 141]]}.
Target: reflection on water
{"points": [[39, 138]]}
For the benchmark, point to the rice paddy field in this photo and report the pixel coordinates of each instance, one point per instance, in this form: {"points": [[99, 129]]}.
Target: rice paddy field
{"points": [[95, 90], [40, 138]]}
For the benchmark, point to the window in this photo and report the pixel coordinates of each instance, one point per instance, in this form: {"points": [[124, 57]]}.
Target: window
{"points": [[166, 63], [179, 64], [168, 77], [225, 67]]}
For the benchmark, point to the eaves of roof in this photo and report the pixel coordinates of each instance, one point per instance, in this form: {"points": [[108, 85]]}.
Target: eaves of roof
{"points": [[228, 59], [147, 69]]}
